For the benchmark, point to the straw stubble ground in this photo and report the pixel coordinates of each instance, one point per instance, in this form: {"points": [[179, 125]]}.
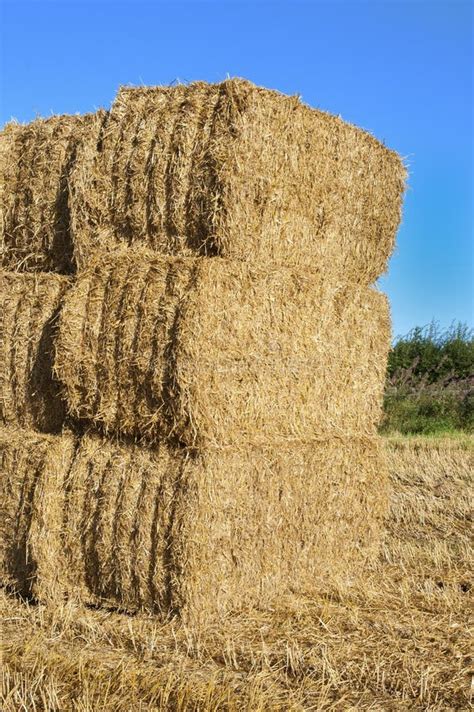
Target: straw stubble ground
{"points": [[400, 641]]}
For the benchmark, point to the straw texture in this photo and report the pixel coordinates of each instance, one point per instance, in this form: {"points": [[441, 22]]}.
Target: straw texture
{"points": [[217, 351], [29, 393], [35, 163], [251, 525]]}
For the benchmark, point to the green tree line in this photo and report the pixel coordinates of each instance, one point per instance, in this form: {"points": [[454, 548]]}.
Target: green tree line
{"points": [[430, 381]]}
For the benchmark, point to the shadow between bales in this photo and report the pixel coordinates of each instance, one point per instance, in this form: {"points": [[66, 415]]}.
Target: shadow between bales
{"points": [[44, 391]]}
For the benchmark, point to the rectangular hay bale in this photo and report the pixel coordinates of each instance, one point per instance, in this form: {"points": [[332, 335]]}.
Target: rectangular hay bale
{"points": [[29, 394], [195, 533], [242, 172], [222, 352], [35, 163]]}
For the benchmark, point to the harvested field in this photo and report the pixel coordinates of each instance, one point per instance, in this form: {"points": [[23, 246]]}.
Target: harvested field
{"points": [[242, 172], [29, 393], [433, 505], [212, 351], [400, 641], [198, 533], [35, 163]]}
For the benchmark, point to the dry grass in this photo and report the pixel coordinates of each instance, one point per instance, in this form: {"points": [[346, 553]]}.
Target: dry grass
{"points": [[29, 394], [401, 641], [235, 170], [202, 534], [219, 352]]}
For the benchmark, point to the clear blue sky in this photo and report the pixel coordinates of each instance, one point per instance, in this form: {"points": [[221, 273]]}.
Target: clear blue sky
{"points": [[400, 68]]}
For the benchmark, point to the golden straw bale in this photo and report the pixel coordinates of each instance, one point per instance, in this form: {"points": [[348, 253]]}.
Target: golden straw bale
{"points": [[242, 172], [190, 532], [35, 163], [29, 393], [218, 351], [31, 503]]}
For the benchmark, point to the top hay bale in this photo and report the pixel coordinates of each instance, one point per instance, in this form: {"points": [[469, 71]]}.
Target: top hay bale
{"points": [[235, 170], [35, 162]]}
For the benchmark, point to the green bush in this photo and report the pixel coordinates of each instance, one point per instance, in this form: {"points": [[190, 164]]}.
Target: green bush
{"points": [[427, 413], [430, 353], [430, 381]]}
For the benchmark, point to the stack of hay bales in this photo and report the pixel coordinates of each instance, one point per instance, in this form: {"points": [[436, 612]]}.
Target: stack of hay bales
{"points": [[190, 405]]}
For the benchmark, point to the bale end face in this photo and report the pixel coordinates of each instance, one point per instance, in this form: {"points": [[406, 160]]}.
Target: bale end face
{"points": [[33, 468], [36, 161], [29, 393]]}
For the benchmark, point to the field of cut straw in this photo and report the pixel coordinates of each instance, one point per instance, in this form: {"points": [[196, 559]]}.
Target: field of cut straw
{"points": [[399, 642], [196, 509]]}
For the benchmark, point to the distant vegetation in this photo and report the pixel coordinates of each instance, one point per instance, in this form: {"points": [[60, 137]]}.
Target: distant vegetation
{"points": [[430, 381]]}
